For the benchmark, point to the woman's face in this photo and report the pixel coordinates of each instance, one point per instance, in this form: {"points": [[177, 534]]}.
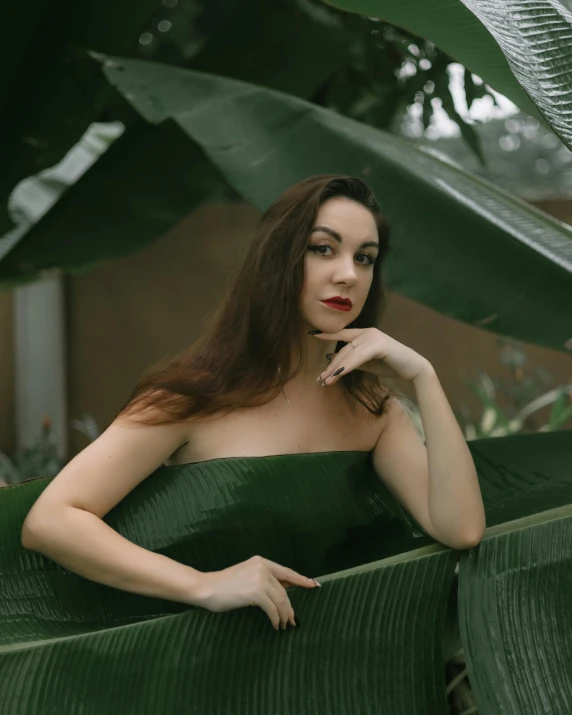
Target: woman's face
{"points": [[339, 262]]}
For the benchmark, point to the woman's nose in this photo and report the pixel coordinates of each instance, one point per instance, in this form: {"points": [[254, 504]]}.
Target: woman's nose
{"points": [[345, 272]]}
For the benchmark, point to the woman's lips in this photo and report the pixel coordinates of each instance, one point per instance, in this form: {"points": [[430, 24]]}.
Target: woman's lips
{"points": [[337, 306]]}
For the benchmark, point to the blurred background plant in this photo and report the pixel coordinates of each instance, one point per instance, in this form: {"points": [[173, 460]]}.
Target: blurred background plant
{"points": [[512, 405], [41, 458]]}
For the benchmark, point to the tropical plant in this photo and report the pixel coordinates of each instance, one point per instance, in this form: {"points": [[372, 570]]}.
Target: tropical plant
{"points": [[375, 638], [524, 395], [36, 460], [319, 53], [461, 246], [41, 458]]}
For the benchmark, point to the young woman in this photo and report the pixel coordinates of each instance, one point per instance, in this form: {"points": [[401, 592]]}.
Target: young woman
{"points": [[290, 364]]}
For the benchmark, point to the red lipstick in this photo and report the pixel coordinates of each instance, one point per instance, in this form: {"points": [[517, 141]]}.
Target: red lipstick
{"points": [[338, 303]]}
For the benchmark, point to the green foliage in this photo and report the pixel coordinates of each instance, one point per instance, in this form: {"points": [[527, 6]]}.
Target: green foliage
{"points": [[41, 458], [387, 69], [522, 395]]}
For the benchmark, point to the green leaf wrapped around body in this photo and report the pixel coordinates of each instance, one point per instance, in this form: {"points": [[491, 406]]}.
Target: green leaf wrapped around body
{"points": [[359, 642], [372, 638]]}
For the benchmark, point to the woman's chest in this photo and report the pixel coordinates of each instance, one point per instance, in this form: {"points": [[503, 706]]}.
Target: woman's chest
{"points": [[281, 428]]}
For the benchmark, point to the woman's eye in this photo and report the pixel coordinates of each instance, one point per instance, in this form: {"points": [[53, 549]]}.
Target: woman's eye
{"points": [[370, 260]]}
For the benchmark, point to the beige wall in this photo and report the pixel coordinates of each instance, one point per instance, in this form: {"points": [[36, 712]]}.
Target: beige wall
{"points": [[129, 313], [7, 407], [132, 312]]}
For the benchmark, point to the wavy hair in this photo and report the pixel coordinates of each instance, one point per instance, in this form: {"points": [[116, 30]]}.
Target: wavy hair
{"points": [[254, 342]]}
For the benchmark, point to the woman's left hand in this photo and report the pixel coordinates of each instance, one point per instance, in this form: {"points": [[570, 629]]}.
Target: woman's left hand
{"points": [[375, 352]]}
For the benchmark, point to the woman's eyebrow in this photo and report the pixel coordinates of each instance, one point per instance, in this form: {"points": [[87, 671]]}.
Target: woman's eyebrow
{"points": [[336, 235]]}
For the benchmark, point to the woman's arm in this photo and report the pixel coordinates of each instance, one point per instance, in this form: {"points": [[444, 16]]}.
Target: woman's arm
{"points": [[455, 501], [65, 523], [436, 483]]}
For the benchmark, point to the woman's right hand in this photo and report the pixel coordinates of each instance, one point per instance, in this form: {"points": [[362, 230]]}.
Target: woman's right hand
{"points": [[254, 582]]}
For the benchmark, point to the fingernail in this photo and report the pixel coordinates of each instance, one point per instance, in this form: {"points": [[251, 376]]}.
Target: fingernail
{"points": [[314, 332], [329, 355], [337, 372], [317, 584]]}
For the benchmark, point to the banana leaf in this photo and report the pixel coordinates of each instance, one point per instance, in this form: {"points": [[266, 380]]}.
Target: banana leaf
{"points": [[276, 46], [122, 203], [369, 640], [515, 616], [372, 639], [521, 49], [514, 589], [535, 38], [26, 18], [49, 92], [524, 474], [461, 245], [153, 176]]}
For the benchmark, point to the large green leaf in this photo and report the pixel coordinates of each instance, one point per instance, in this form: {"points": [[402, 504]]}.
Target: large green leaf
{"points": [[534, 36], [327, 515], [460, 245], [23, 19], [155, 175], [51, 92], [118, 206], [369, 639], [453, 28], [515, 616], [524, 474], [277, 46], [514, 590], [519, 476]]}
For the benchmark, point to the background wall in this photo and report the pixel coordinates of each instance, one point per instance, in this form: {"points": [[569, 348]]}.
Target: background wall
{"points": [[128, 314]]}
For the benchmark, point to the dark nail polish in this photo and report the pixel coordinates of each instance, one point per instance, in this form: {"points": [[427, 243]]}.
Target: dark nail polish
{"points": [[337, 372], [329, 355], [314, 332]]}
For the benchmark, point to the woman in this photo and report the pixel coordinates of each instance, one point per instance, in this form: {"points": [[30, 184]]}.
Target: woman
{"points": [[290, 365]]}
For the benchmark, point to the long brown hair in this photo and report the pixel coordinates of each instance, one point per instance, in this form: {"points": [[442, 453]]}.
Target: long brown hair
{"points": [[257, 327]]}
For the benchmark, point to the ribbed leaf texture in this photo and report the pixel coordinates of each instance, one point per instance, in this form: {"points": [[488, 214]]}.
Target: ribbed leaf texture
{"points": [[536, 38], [514, 589], [523, 474], [515, 616], [452, 27], [369, 640]]}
